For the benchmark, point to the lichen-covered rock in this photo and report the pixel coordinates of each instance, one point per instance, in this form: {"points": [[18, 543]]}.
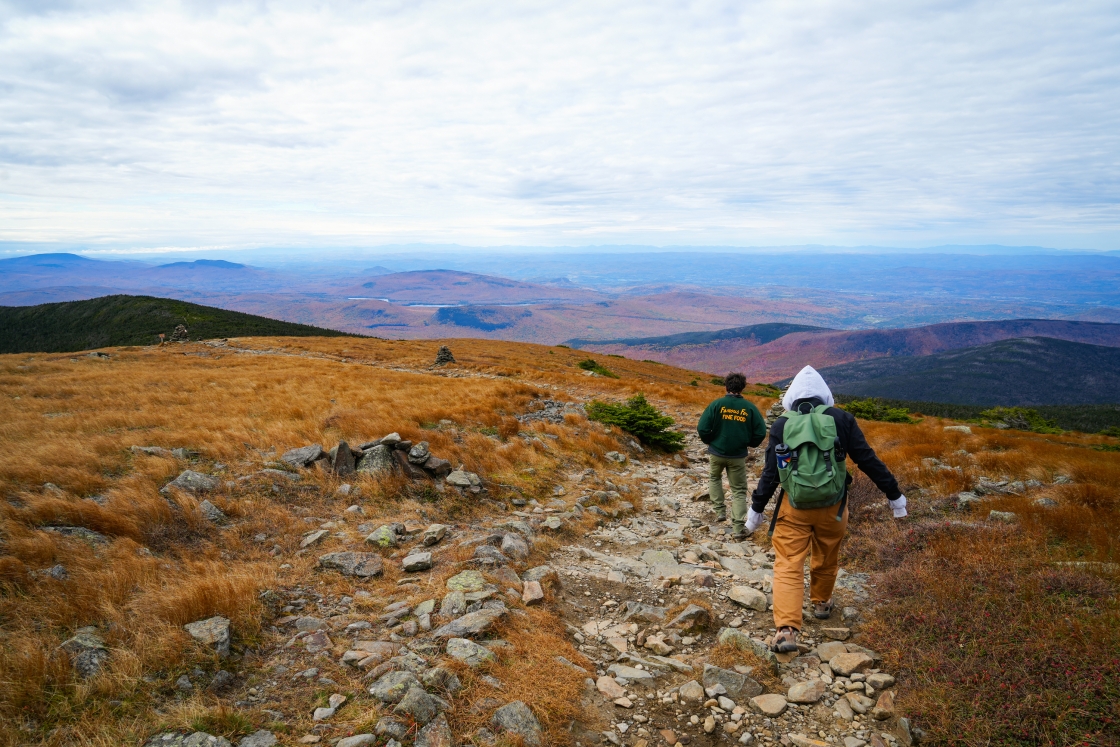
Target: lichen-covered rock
{"points": [[197, 739], [470, 624], [195, 482], [739, 686], [467, 581], [517, 718], [420, 705], [87, 651], [377, 461], [393, 685], [435, 734], [302, 456], [469, 652]]}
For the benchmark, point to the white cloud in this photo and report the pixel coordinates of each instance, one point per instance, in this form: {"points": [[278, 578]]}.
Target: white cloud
{"points": [[220, 123]]}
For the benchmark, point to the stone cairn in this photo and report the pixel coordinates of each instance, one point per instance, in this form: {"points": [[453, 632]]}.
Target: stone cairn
{"points": [[444, 356], [180, 334], [382, 457]]}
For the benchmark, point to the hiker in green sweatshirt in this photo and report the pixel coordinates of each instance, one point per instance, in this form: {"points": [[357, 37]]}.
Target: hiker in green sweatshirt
{"points": [[729, 426]]}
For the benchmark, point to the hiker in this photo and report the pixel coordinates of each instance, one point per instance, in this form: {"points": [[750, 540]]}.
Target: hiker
{"points": [[806, 455], [729, 426]]}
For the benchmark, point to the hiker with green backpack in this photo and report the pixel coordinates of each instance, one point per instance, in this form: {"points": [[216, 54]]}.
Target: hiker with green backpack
{"points": [[807, 454]]}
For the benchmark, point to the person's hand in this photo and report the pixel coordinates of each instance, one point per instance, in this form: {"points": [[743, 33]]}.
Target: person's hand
{"points": [[898, 506], [754, 520]]}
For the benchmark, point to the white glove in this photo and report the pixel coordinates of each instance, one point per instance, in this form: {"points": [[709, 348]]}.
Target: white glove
{"points": [[754, 520], [898, 506]]}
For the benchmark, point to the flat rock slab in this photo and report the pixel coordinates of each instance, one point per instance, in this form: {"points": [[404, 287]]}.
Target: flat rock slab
{"points": [[417, 561], [807, 692], [357, 564], [828, 650], [770, 704], [662, 562], [470, 624], [195, 482], [745, 596], [467, 581], [739, 687], [630, 673], [302, 456], [260, 738], [197, 739], [846, 664], [213, 632], [625, 565]]}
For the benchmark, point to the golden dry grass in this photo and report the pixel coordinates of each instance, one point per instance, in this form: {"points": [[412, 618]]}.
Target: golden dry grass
{"points": [[70, 420]]}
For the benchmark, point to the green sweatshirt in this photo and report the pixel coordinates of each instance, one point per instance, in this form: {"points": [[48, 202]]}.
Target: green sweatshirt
{"points": [[730, 426]]}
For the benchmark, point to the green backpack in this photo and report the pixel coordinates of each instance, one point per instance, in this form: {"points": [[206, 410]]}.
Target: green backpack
{"points": [[815, 476]]}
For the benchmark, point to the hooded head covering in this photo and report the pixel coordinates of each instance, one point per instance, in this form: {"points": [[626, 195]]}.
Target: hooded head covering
{"points": [[808, 383]]}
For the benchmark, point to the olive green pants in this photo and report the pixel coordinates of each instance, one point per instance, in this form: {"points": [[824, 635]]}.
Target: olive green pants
{"points": [[737, 479]]}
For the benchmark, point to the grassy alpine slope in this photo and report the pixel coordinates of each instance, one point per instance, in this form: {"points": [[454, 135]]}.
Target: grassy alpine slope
{"points": [[1023, 651], [129, 320]]}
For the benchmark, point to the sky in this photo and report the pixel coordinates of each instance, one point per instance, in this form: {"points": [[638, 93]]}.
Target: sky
{"points": [[220, 126]]}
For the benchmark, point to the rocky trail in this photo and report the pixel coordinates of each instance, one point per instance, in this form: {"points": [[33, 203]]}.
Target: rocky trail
{"points": [[655, 600]]}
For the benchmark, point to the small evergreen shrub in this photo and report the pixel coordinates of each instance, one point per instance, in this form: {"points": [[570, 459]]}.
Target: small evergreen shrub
{"points": [[640, 419], [589, 364], [1020, 419], [717, 381], [1113, 431], [873, 409]]}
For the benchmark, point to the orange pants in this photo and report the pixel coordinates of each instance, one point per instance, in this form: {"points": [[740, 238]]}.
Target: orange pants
{"points": [[797, 532]]}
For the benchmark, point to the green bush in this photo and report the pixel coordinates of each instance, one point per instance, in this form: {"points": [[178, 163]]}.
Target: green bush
{"points": [[1113, 431], [1021, 419], [717, 381], [873, 409], [589, 364], [640, 419]]}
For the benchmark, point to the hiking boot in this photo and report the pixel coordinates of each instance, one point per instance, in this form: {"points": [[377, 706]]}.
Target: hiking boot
{"points": [[822, 610], [721, 516], [785, 641], [740, 536]]}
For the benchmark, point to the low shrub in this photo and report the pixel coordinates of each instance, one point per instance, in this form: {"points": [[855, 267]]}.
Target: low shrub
{"points": [[1020, 419], [590, 364], [874, 409], [639, 418]]}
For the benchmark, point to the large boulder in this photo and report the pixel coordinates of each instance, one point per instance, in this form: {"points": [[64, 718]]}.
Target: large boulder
{"points": [[303, 456], [437, 467], [88, 653], [752, 599], [357, 564], [377, 461], [213, 632], [342, 459], [515, 546], [516, 718]]}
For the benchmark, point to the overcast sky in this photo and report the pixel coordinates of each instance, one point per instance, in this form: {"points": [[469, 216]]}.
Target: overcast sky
{"points": [[238, 124]]}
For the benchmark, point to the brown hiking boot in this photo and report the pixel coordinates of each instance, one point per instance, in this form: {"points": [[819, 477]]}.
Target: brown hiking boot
{"points": [[721, 516], [822, 610], [785, 641]]}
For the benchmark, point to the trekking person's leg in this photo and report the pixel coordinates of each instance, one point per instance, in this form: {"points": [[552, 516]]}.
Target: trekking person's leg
{"points": [[825, 557], [715, 483], [737, 479], [792, 535]]}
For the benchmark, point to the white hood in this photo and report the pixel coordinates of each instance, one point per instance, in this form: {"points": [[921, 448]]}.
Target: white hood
{"points": [[808, 383]]}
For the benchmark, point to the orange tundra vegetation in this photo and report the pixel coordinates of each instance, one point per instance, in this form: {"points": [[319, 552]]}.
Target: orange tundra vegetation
{"points": [[1001, 633]]}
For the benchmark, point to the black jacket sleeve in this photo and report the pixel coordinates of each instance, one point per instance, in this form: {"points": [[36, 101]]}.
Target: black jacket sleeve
{"points": [[853, 441]]}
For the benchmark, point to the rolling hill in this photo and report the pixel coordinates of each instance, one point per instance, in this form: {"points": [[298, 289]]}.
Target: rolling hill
{"points": [[130, 320], [785, 354], [760, 334], [1027, 371]]}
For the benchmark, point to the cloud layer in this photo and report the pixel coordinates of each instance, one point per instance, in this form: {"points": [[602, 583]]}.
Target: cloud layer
{"points": [[234, 124]]}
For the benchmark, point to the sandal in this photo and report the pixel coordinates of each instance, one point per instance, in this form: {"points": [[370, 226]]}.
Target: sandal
{"points": [[785, 641], [822, 610]]}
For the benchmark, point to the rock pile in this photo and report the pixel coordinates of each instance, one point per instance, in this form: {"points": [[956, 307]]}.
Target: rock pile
{"points": [[383, 456], [444, 356], [180, 334]]}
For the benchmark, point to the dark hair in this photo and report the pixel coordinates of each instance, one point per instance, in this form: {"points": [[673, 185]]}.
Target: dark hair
{"points": [[735, 382]]}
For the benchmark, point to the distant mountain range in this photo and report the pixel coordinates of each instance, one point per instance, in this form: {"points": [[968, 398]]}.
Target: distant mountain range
{"points": [[1027, 371], [764, 355], [130, 320]]}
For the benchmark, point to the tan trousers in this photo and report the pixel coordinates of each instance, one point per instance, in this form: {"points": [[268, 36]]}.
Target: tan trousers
{"points": [[798, 533]]}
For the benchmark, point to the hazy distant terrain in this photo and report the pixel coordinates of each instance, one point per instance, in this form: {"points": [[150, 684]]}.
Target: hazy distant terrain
{"points": [[783, 355], [1022, 371]]}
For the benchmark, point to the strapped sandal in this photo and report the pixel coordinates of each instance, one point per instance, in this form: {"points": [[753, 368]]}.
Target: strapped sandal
{"points": [[822, 610], [785, 641]]}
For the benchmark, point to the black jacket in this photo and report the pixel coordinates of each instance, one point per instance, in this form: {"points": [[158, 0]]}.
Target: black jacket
{"points": [[851, 438]]}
